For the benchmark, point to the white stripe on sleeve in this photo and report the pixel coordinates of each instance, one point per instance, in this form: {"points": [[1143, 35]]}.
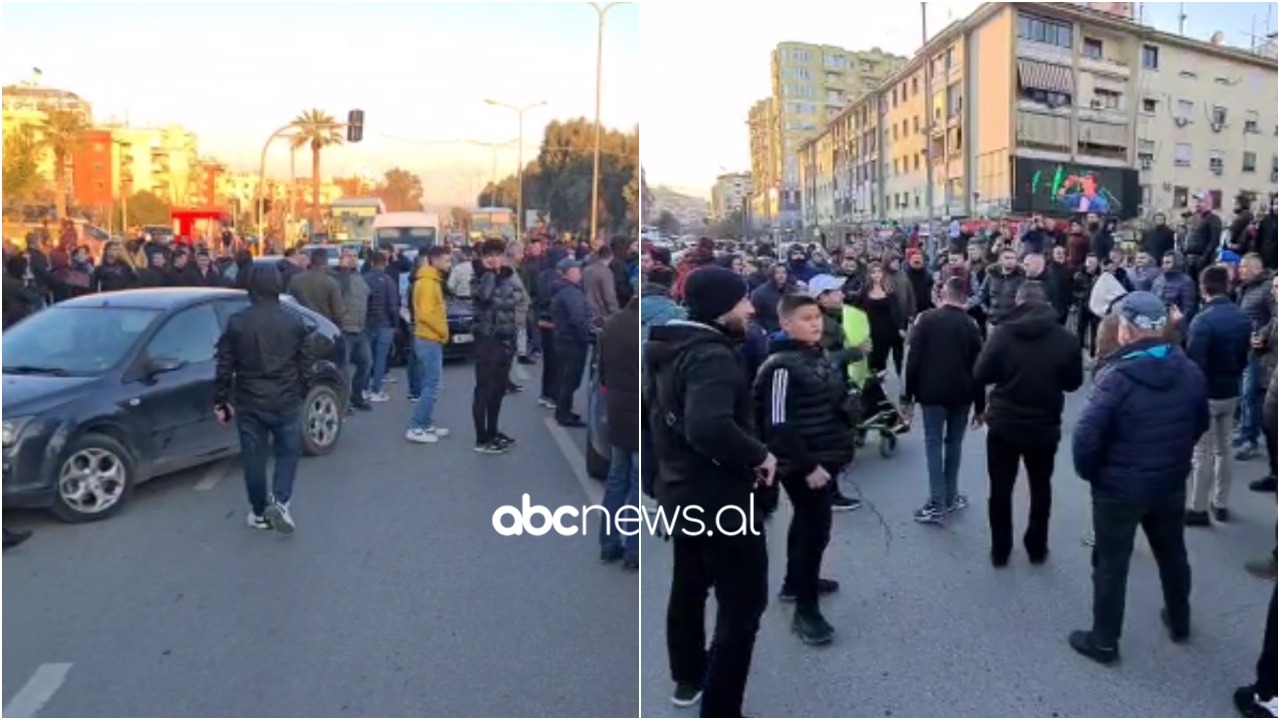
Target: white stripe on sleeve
{"points": [[779, 395]]}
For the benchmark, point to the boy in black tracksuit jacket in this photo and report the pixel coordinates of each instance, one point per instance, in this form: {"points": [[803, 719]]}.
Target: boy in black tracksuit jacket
{"points": [[799, 395]]}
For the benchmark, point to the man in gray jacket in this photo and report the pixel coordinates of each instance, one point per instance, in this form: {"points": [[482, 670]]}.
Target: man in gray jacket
{"points": [[999, 291], [599, 286], [355, 313]]}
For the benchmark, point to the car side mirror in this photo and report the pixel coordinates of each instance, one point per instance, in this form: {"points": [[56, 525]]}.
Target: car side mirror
{"points": [[162, 365]]}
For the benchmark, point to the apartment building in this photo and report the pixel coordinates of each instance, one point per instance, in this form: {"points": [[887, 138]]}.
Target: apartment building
{"points": [[1052, 108], [92, 171], [766, 155], [730, 194], [163, 161]]}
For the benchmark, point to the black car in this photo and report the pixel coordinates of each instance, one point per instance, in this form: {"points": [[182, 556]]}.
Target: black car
{"points": [[458, 314], [105, 391]]}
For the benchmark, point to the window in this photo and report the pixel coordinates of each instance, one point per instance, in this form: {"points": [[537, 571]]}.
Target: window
{"points": [[1108, 99], [1182, 155], [1215, 161], [1092, 49], [894, 131], [1180, 197], [1037, 29], [1185, 110], [904, 127], [1146, 159], [1219, 115], [189, 336], [1216, 197], [895, 166], [950, 58], [1149, 105], [915, 86], [915, 162], [1150, 57], [915, 124], [1250, 162], [1251, 122]]}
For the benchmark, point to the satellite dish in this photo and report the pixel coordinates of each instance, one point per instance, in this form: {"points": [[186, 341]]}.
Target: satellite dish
{"points": [[1217, 38]]}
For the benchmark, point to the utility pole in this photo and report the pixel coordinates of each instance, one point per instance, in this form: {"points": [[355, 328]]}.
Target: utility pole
{"points": [[601, 12], [1182, 18], [931, 243]]}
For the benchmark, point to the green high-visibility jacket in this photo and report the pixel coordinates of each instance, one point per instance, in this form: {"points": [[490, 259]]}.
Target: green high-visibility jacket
{"points": [[857, 330]]}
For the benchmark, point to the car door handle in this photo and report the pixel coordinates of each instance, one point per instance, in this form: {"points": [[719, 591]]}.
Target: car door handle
{"points": [[134, 402]]}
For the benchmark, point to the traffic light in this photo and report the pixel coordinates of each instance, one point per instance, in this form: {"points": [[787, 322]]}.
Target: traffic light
{"points": [[355, 126]]}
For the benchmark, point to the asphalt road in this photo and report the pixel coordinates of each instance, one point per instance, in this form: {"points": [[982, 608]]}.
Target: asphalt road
{"points": [[927, 628], [395, 598]]}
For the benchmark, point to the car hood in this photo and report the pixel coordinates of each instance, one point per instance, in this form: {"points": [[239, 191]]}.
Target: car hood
{"points": [[30, 394]]}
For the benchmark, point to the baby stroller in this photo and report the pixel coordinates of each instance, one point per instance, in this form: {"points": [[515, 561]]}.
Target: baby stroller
{"points": [[877, 414]]}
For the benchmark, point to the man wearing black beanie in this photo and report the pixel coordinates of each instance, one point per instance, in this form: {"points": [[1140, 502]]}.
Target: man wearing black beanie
{"points": [[709, 460]]}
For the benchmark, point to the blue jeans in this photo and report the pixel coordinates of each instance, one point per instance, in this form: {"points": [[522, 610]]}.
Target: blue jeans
{"points": [[944, 429], [621, 488], [380, 347], [429, 357], [358, 355], [1248, 430], [284, 430]]}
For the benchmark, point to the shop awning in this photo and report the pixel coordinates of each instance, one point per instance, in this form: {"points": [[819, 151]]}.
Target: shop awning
{"points": [[1036, 75]]}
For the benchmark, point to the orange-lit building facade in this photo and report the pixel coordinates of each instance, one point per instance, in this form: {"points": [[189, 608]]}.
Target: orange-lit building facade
{"points": [[92, 179]]}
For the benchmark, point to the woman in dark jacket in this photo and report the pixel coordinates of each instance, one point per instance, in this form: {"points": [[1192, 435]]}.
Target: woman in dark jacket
{"points": [[879, 300]]}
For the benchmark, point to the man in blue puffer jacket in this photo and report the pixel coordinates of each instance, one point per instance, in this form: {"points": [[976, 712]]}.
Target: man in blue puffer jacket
{"points": [[1133, 445]]}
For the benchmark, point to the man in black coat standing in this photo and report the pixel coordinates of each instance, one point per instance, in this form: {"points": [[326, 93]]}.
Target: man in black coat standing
{"points": [[620, 376], [1033, 362]]}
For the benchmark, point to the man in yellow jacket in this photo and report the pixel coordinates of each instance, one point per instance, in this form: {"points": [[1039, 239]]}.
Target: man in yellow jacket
{"points": [[430, 334]]}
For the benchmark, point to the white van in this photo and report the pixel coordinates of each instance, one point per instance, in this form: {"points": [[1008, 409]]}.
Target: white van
{"points": [[415, 230]]}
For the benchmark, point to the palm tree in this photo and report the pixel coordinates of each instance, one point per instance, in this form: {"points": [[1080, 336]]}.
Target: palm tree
{"points": [[61, 132], [318, 129]]}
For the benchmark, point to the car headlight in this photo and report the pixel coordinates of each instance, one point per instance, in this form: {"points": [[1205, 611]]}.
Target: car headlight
{"points": [[13, 428]]}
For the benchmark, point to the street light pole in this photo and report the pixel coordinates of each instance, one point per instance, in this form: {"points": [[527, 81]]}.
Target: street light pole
{"points": [[931, 242], [262, 175], [601, 12], [519, 111]]}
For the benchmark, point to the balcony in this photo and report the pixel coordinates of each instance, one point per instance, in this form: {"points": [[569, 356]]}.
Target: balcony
{"points": [[1043, 130]]}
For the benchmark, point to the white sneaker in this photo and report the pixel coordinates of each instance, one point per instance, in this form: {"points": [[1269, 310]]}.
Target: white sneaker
{"points": [[378, 397], [277, 514], [418, 435], [438, 431], [257, 522]]}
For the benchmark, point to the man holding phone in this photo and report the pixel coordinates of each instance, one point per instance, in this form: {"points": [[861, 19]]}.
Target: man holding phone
{"points": [[264, 371]]}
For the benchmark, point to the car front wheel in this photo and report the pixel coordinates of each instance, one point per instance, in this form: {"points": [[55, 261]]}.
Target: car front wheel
{"points": [[321, 420], [94, 480]]}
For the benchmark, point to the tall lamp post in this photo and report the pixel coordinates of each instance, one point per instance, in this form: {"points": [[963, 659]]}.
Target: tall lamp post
{"points": [[601, 12], [262, 176], [519, 111]]}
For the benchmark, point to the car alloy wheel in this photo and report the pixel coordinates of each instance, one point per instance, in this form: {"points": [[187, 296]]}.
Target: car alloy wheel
{"points": [[323, 419], [92, 481]]}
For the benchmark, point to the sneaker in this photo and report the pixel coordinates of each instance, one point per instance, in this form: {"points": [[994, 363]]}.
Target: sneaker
{"points": [[812, 628], [825, 587], [547, 402], [257, 522], [377, 397], [1251, 706], [277, 514], [1178, 635], [438, 431], [503, 440], [1221, 514], [958, 503], [1264, 569], [413, 398], [419, 435], [364, 395], [930, 513], [686, 695], [630, 562], [1247, 452], [490, 448], [1082, 642], [843, 503], [1196, 518], [1265, 485]]}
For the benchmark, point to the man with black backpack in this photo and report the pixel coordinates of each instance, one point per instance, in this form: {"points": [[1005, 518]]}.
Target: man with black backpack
{"points": [[709, 460]]}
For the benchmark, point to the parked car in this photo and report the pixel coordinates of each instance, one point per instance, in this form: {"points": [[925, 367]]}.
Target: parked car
{"points": [[457, 312], [106, 391], [597, 447]]}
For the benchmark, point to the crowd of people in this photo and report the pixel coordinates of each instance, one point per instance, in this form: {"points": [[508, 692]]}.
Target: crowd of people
{"points": [[760, 373]]}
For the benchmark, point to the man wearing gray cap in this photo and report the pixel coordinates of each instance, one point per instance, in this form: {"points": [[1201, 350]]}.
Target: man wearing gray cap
{"points": [[1133, 445], [572, 336]]}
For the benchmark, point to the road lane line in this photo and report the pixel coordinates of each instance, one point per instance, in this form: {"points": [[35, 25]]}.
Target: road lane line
{"points": [[38, 690], [521, 374], [574, 456]]}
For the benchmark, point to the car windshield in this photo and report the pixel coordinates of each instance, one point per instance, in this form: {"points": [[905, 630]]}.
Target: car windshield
{"points": [[74, 341]]}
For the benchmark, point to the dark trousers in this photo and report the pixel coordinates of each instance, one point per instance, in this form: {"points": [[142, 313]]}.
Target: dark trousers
{"points": [[1087, 329], [550, 363], [807, 538], [535, 336], [738, 568], [1115, 523], [1265, 686], [1004, 455], [572, 360], [1269, 434], [359, 356], [979, 316], [257, 429], [493, 368], [648, 470], [881, 349]]}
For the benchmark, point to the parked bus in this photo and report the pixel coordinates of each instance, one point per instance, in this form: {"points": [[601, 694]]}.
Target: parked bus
{"points": [[353, 219], [492, 222], [416, 230]]}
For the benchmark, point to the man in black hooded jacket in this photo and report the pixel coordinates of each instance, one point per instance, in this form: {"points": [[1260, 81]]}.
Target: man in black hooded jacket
{"points": [[1033, 362], [709, 457]]}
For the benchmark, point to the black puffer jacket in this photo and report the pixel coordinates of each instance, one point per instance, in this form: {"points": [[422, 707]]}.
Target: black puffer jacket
{"points": [[999, 292], [1256, 300], [700, 416], [495, 295], [111, 276], [264, 359], [799, 399], [1033, 362]]}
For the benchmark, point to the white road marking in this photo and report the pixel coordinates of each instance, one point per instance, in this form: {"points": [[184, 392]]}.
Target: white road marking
{"points": [[521, 374], [38, 690], [574, 456]]}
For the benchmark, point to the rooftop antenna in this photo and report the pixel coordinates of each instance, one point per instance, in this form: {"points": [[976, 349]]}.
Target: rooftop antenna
{"points": [[1182, 18]]}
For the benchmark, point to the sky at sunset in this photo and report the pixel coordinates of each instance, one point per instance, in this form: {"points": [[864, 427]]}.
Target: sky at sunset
{"points": [[233, 73]]}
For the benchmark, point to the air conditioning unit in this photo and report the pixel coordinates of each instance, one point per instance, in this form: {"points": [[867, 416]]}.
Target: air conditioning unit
{"points": [[1145, 162], [1217, 127], [1181, 121]]}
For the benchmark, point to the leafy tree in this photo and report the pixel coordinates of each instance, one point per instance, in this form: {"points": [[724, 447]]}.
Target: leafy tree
{"points": [[21, 172], [459, 218], [729, 227], [318, 130], [147, 208], [61, 133], [401, 190], [668, 223]]}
